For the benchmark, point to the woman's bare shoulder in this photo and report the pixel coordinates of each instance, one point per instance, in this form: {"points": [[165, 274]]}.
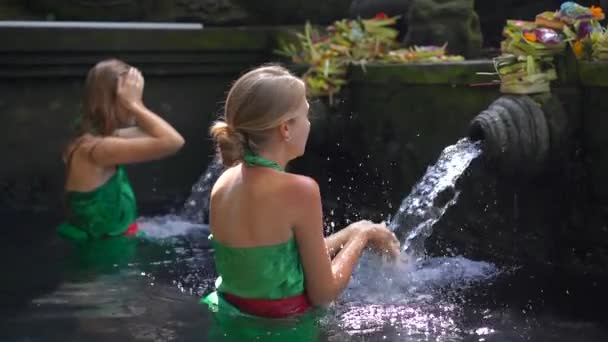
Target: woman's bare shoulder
{"points": [[301, 188]]}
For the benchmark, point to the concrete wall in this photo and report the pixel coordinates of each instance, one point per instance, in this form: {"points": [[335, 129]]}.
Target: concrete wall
{"points": [[41, 76]]}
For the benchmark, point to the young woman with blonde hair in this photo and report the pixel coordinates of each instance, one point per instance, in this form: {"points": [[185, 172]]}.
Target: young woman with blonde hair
{"points": [[267, 224]]}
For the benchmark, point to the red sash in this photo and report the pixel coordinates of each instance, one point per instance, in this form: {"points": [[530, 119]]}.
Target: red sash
{"points": [[270, 308], [132, 229]]}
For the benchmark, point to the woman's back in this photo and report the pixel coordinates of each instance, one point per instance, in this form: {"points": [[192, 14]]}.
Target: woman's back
{"points": [[252, 207], [99, 200], [256, 254]]}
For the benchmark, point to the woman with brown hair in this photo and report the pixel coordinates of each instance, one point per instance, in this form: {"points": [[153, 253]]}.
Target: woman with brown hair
{"points": [[115, 128]]}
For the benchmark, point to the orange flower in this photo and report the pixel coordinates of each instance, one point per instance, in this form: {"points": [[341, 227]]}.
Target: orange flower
{"points": [[530, 36], [597, 12], [578, 48]]}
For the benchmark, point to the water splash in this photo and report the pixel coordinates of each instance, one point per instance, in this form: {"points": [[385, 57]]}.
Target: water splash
{"points": [[191, 220], [407, 280], [196, 207], [417, 297], [167, 226], [432, 196], [193, 215], [407, 295]]}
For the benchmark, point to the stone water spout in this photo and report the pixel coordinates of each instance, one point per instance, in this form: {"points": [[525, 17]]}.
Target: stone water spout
{"points": [[519, 133]]}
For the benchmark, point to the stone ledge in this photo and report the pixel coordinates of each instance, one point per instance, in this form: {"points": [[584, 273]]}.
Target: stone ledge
{"points": [[79, 71], [38, 39], [446, 73], [36, 51], [65, 64]]}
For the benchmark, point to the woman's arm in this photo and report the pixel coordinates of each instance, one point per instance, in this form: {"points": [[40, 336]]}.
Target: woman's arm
{"points": [[130, 132], [336, 241], [325, 278], [157, 139]]}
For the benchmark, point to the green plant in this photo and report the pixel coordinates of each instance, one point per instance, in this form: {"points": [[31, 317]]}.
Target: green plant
{"points": [[346, 42]]}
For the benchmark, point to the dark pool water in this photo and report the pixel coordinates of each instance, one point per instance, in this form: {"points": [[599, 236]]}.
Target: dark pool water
{"points": [[149, 291]]}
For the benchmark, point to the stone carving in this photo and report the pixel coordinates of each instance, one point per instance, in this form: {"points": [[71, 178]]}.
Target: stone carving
{"points": [[212, 11], [520, 133], [435, 22], [297, 11]]}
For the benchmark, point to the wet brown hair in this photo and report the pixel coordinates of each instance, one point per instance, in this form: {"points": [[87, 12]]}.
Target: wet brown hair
{"points": [[99, 108]]}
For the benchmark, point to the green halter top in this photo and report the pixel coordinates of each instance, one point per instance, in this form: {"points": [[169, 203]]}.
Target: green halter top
{"points": [[265, 272], [104, 212]]}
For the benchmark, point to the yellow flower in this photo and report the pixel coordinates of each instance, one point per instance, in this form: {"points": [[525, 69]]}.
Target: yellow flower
{"points": [[578, 48]]}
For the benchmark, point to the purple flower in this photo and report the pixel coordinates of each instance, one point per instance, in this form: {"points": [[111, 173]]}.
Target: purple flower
{"points": [[584, 29]]}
